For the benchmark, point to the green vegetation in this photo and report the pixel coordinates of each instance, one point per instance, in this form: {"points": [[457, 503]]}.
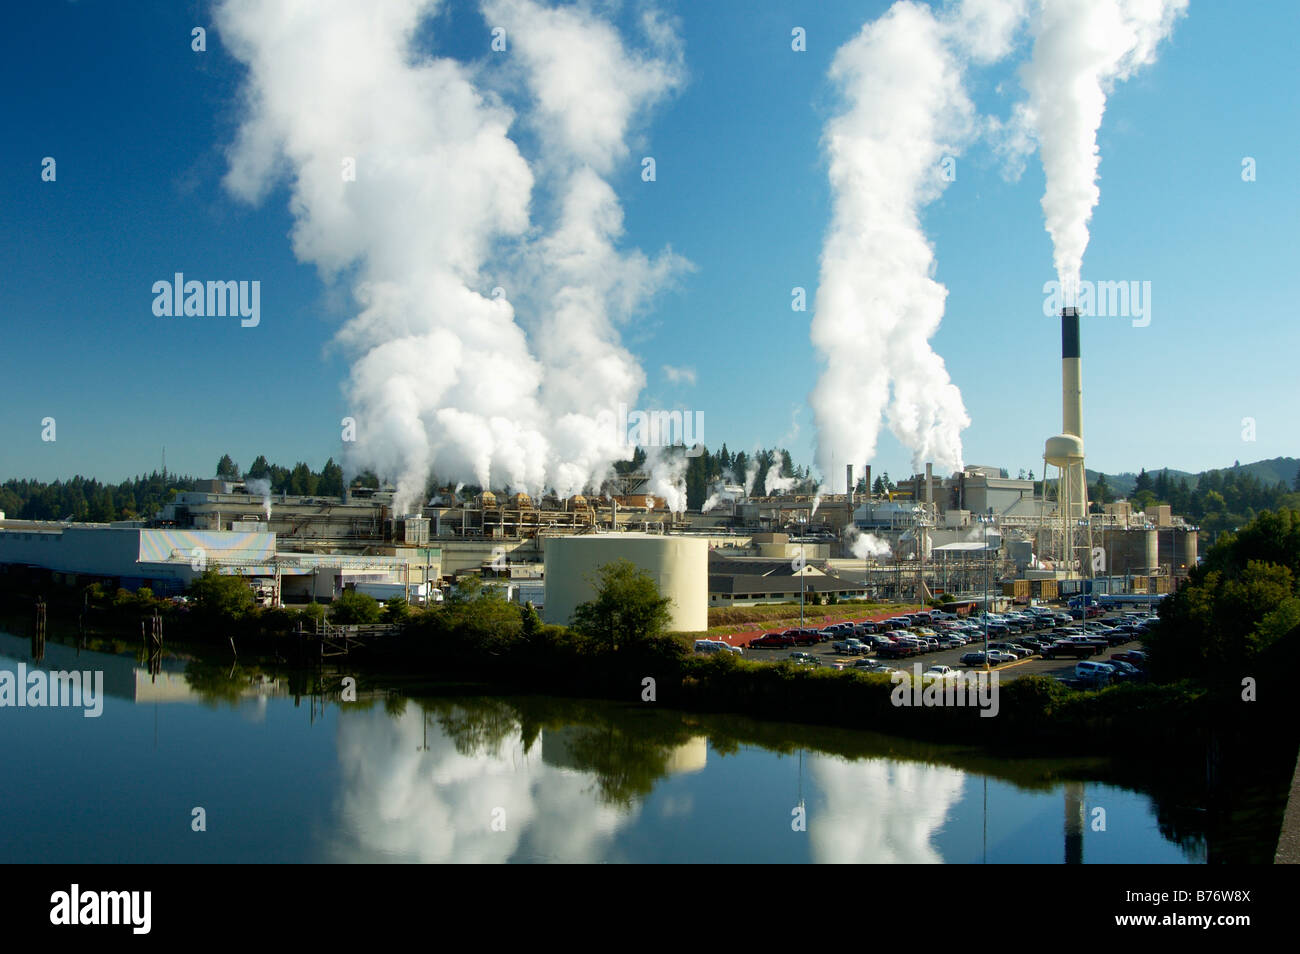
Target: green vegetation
{"points": [[1239, 606], [776, 613], [627, 607], [85, 499], [1217, 500], [219, 597], [354, 607]]}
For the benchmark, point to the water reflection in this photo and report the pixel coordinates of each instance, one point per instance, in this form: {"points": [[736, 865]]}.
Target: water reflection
{"points": [[495, 779], [474, 790], [881, 811]]}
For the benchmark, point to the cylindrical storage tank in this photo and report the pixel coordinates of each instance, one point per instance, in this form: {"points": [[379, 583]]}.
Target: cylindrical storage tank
{"points": [[1130, 551], [678, 565]]}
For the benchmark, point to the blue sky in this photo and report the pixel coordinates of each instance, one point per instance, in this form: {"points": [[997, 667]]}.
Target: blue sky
{"points": [[138, 124]]}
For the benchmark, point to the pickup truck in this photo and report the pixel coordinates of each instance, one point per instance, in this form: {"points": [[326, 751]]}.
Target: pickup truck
{"points": [[940, 672], [851, 645], [898, 650], [804, 637], [772, 641], [1074, 648]]}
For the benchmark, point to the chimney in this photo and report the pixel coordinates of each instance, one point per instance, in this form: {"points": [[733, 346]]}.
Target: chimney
{"points": [[929, 486], [848, 481], [1071, 374], [868, 480]]}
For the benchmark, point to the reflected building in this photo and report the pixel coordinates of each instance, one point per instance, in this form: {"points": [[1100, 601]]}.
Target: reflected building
{"points": [[125, 678]]}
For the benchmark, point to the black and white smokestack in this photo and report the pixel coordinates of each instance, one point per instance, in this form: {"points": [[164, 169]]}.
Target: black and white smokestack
{"points": [[1071, 374]]}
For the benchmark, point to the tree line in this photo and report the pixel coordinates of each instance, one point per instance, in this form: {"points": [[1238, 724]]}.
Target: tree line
{"points": [[85, 499], [1220, 500]]}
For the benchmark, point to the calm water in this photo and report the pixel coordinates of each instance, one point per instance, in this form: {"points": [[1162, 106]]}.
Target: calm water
{"points": [[509, 780]]}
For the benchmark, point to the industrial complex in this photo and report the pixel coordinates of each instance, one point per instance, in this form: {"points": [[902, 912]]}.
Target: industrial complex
{"points": [[969, 534], [961, 534]]}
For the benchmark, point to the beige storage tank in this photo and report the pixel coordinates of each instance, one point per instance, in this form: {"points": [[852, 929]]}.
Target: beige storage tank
{"points": [[678, 565]]}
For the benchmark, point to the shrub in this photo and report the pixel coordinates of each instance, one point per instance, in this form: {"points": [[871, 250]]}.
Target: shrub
{"points": [[354, 607]]}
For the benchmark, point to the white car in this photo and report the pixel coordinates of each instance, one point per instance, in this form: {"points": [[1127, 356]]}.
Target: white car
{"points": [[716, 646]]}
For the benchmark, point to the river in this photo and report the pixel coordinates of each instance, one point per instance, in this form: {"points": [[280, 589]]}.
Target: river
{"points": [[203, 763]]}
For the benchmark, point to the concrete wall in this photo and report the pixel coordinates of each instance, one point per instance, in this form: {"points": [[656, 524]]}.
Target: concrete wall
{"points": [[678, 565]]}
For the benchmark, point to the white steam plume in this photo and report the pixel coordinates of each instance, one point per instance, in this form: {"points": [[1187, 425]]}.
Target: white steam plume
{"points": [[906, 113], [751, 472], [1081, 49], [667, 470], [442, 372], [866, 545], [773, 482], [261, 487], [587, 91]]}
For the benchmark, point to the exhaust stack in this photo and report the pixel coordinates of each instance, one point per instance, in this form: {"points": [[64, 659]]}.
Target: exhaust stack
{"points": [[1065, 450], [1071, 374]]}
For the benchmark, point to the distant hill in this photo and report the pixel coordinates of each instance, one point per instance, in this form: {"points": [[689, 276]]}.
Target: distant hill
{"points": [[1271, 471]]}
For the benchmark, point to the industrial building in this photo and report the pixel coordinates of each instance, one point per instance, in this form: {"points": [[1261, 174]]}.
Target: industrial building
{"points": [[167, 560], [970, 531]]}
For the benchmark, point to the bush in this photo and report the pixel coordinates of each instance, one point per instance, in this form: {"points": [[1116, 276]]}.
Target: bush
{"points": [[227, 597], [354, 607], [396, 610]]}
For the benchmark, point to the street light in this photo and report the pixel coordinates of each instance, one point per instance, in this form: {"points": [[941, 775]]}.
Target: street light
{"points": [[802, 564], [985, 520]]}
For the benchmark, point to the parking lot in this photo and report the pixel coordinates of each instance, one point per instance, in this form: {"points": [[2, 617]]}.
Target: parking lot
{"points": [[1031, 666]]}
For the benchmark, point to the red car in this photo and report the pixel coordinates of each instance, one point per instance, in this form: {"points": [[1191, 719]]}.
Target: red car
{"points": [[772, 641], [804, 637]]}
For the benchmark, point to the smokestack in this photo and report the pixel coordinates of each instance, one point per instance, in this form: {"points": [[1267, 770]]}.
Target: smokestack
{"points": [[1065, 451], [929, 486], [848, 480], [868, 480], [1071, 374]]}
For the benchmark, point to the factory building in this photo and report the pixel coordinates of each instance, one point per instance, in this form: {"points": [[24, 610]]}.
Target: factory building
{"points": [[167, 560], [749, 581]]}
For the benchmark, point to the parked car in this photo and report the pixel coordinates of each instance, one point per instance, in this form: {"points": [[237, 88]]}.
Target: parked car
{"points": [[1091, 671], [850, 646], [1134, 657], [997, 657], [709, 646], [972, 659], [940, 672], [1072, 648], [772, 641], [803, 659], [1125, 670]]}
